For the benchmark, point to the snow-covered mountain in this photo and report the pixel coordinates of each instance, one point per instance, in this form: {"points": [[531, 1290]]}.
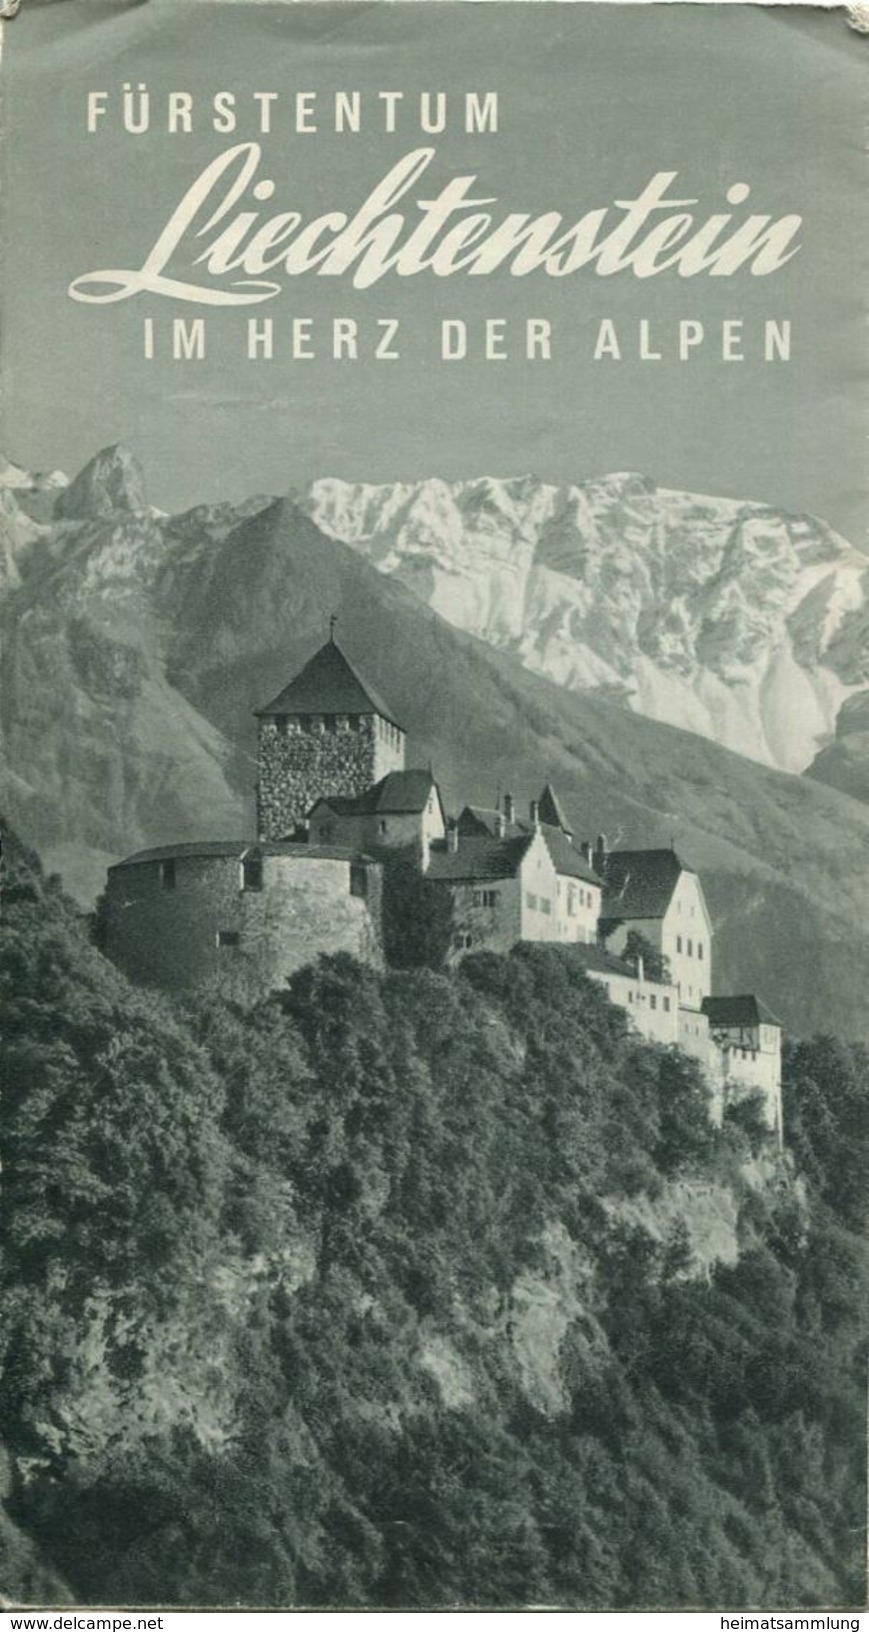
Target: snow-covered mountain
{"points": [[742, 623], [135, 645]]}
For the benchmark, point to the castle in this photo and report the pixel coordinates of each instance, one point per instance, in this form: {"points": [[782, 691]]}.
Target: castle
{"points": [[337, 812]]}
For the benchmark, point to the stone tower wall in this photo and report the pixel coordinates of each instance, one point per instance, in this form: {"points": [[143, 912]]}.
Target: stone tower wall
{"points": [[208, 927], [303, 760]]}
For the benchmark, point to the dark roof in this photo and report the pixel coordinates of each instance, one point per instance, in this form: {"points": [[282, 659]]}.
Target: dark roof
{"points": [[400, 792], [596, 957], [477, 858], [475, 820], [551, 810], [566, 860], [744, 1011], [640, 883], [204, 848], [569, 862], [328, 684], [484, 819]]}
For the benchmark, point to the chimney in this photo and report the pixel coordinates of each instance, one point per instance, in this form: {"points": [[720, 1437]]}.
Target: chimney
{"points": [[534, 812], [508, 809], [499, 825], [452, 838], [600, 853], [641, 973], [585, 848]]}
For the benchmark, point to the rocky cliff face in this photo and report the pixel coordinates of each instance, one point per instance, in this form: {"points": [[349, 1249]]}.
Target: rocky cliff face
{"points": [[739, 622]]}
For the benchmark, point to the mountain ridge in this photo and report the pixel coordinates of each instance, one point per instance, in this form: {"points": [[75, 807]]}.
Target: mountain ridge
{"points": [[741, 622], [134, 648]]}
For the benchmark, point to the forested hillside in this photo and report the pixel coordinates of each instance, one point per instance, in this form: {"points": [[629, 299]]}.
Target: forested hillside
{"points": [[414, 1289]]}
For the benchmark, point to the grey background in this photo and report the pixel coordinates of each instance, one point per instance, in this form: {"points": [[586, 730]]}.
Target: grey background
{"points": [[594, 100]]}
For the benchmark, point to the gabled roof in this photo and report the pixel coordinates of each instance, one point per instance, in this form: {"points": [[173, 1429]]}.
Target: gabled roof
{"points": [[743, 1012], [640, 883], [481, 819], [478, 858], [328, 684], [568, 862], [551, 810], [398, 793]]}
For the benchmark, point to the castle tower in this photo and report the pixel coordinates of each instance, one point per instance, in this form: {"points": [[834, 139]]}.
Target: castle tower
{"points": [[326, 734]]}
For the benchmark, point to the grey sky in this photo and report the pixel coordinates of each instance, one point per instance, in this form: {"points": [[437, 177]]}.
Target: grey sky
{"points": [[593, 101]]}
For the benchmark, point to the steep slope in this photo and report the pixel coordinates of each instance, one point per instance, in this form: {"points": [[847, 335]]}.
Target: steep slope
{"points": [[99, 752], [844, 763], [136, 647], [414, 1290], [742, 623]]}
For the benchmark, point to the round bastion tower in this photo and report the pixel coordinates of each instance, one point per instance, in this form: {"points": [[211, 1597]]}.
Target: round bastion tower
{"points": [[260, 907], [327, 733]]}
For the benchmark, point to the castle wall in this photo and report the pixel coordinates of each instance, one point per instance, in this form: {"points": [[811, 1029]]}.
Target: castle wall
{"points": [[652, 1007], [370, 831], [683, 936], [486, 915], [577, 910], [539, 882], [687, 941], [180, 938], [754, 1062], [301, 760]]}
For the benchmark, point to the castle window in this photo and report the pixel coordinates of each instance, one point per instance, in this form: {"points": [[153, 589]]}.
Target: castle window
{"points": [[383, 826], [330, 722], [530, 901], [666, 1005], [653, 1001], [690, 948], [354, 721], [678, 943], [485, 898], [358, 880], [546, 905], [167, 874], [700, 950], [281, 724], [571, 900], [252, 872], [228, 938]]}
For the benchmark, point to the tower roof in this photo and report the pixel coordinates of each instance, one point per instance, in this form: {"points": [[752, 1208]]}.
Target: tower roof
{"points": [[551, 810], [328, 684]]}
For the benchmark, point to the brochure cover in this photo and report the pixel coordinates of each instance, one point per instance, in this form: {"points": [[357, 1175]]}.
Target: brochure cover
{"points": [[435, 763]]}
